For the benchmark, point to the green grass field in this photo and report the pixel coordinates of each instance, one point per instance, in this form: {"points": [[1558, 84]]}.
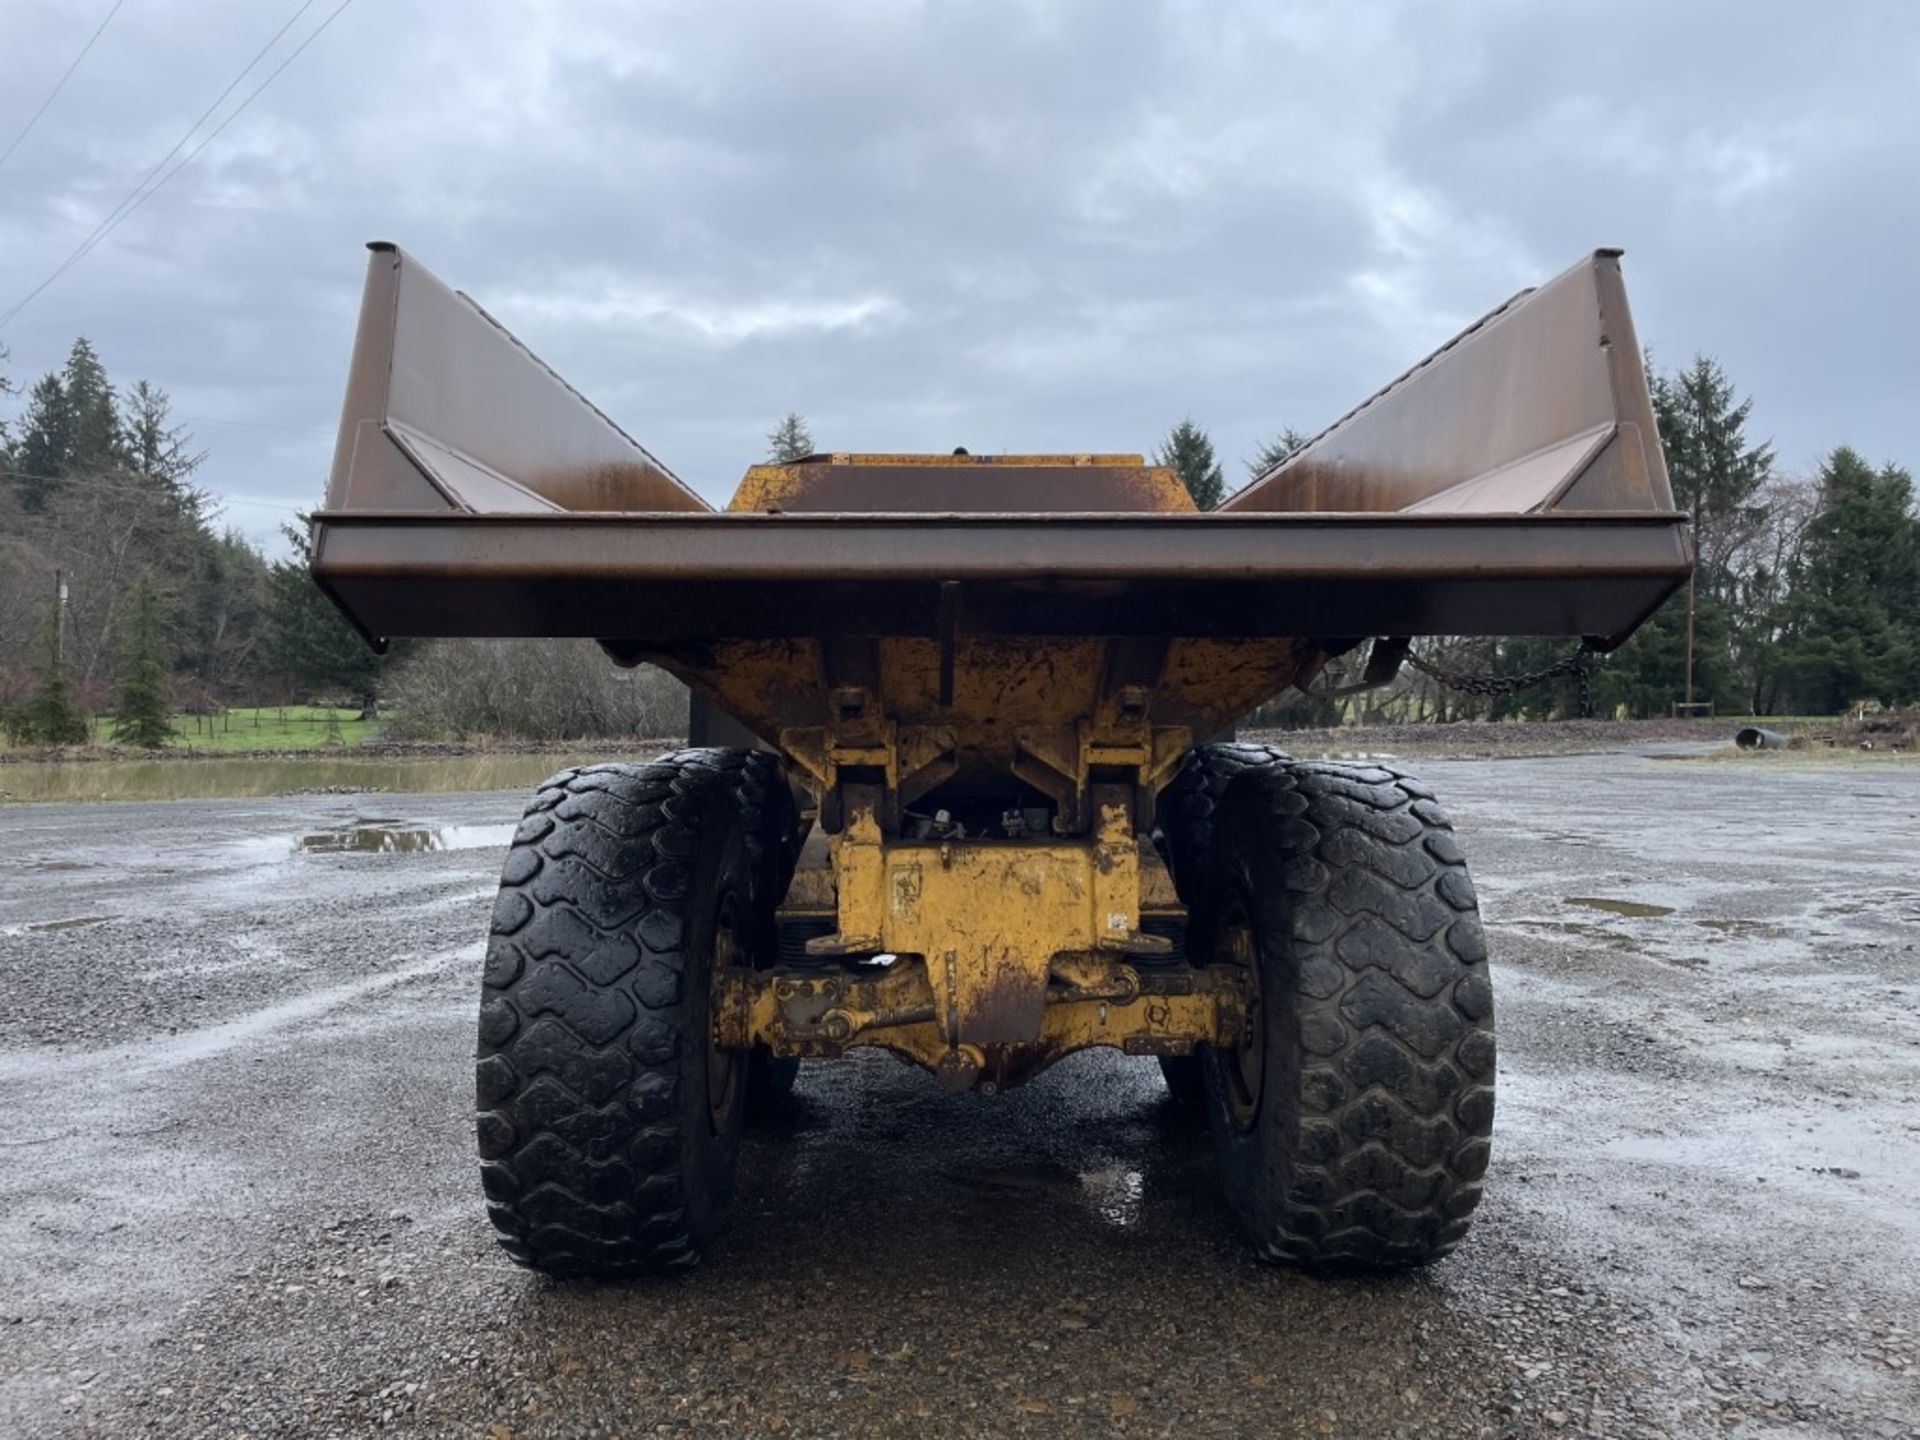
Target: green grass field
{"points": [[265, 728], [269, 727]]}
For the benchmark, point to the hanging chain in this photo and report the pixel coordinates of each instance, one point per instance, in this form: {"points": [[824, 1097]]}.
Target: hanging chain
{"points": [[1579, 664]]}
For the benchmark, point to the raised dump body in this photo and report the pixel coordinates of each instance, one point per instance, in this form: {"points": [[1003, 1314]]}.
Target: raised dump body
{"points": [[982, 828]]}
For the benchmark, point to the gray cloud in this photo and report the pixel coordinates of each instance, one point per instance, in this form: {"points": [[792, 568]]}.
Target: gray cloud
{"points": [[1013, 226]]}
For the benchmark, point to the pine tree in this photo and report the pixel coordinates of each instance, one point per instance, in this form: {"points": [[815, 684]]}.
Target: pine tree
{"points": [[790, 440], [160, 450], [72, 424], [1276, 450], [1853, 631], [46, 442], [95, 437], [141, 711], [307, 640], [53, 716], [1718, 478], [1189, 453], [1717, 474]]}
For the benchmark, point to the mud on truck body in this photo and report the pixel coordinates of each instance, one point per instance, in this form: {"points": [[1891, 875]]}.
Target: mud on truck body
{"points": [[951, 792]]}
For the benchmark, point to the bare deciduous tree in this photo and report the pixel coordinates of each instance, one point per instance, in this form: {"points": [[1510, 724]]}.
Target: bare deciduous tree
{"points": [[530, 690]]}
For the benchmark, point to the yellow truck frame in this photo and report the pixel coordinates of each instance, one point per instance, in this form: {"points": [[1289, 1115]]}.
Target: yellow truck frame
{"points": [[958, 789]]}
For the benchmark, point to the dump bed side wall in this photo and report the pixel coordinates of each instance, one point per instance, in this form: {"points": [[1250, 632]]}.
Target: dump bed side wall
{"points": [[463, 461], [1540, 406], [446, 410]]}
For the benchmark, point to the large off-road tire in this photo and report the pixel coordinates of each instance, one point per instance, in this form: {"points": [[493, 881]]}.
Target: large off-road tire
{"points": [[1352, 1126], [608, 1125], [774, 836], [1183, 817]]}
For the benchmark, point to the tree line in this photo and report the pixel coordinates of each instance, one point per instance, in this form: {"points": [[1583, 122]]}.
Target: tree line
{"points": [[1806, 597], [1806, 592], [121, 592]]}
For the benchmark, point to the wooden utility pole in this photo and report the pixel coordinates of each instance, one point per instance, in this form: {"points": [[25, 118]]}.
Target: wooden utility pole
{"points": [[1689, 705], [59, 617]]}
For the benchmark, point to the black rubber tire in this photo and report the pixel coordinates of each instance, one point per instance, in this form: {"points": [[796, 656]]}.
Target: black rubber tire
{"points": [[1374, 1113], [1183, 834], [771, 825], [767, 817], [1183, 814], [600, 1153]]}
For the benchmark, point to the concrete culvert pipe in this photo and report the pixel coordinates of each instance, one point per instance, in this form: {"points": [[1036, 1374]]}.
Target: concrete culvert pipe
{"points": [[1758, 737]]}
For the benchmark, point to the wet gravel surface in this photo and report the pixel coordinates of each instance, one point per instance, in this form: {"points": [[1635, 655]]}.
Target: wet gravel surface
{"points": [[237, 1193]]}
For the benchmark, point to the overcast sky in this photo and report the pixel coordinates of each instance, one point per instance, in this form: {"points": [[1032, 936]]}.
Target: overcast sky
{"points": [[1009, 226]]}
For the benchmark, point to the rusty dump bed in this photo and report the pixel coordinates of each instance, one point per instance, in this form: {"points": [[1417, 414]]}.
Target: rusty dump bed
{"points": [[1511, 483]]}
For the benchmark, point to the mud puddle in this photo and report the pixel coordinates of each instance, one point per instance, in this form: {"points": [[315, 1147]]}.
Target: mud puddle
{"points": [[46, 927], [1631, 909], [397, 837], [1112, 1192], [367, 836]]}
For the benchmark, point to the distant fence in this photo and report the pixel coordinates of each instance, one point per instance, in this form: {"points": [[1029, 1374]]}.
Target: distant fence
{"points": [[321, 720]]}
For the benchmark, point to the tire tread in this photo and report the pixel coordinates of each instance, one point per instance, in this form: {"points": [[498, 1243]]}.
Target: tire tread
{"points": [[1382, 1160]]}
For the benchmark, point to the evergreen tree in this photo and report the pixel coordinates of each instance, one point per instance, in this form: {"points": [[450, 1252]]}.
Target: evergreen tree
{"points": [[790, 440], [1718, 478], [309, 642], [160, 450], [46, 442], [1717, 473], [95, 437], [1189, 453], [141, 708], [1646, 675], [53, 716], [1276, 450], [72, 424], [1854, 605]]}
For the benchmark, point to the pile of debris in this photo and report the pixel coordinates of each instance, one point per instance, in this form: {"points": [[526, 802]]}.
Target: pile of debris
{"points": [[1887, 730]]}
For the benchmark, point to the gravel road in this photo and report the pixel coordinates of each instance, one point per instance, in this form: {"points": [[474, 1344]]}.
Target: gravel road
{"points": [[238, 1194]]}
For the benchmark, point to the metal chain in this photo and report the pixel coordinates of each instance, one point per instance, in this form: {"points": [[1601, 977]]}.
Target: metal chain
{"points": [[1579, 665]]}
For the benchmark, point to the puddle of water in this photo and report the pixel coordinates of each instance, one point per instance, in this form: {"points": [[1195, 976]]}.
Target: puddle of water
{"points": [[1751, 929], [72, 922], [393, 837], [1585, 929], [1632, 909], [1115, 1194], [326, 774]]}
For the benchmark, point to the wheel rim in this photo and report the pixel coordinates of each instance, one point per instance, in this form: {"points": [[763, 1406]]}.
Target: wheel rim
{"points": [[1242, 1068], [725, 1068]]}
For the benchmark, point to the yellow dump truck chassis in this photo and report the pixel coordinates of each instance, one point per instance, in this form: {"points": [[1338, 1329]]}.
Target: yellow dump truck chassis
{"points": [[969, 813], [982, 958]]}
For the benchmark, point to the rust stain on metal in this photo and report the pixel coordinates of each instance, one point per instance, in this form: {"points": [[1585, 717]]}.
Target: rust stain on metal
{"points": [[947, 484]]}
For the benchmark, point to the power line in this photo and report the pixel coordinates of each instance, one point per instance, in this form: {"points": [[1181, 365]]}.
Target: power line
{"points": [[141, 192], [60, 84], [127, 201]]}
